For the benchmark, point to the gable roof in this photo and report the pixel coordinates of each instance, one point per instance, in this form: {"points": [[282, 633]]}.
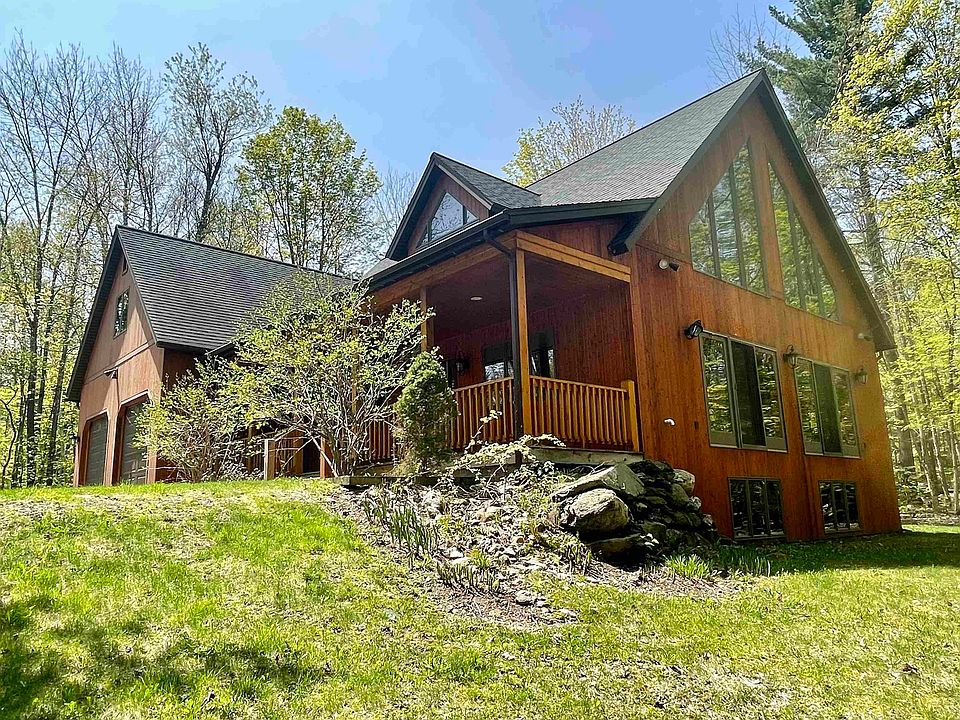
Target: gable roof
{"points": [[194, 296], [643, 163]]}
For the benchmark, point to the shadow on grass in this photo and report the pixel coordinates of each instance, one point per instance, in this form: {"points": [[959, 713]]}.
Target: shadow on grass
{"points": [[908, 549], [38, 681]]}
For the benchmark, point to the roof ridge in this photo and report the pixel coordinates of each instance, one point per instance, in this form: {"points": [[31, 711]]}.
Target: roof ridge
{"points": [[229, 250], [644, 127], [484, 172]]}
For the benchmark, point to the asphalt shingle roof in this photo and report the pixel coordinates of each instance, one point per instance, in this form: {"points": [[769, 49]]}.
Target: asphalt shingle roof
{"points": [[496, 190], [196, 295], [642, 164]]}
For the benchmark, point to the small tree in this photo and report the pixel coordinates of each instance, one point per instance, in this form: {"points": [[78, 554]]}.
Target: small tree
{"points": [[424, 411], [318, 358], [197, 425]]}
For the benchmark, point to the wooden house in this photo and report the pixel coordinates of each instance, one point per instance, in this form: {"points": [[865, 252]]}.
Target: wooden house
{"points": [[684, 292]]}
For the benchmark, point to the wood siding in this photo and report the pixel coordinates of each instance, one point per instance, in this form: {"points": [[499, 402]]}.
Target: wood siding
{"points": [[138, 363]]}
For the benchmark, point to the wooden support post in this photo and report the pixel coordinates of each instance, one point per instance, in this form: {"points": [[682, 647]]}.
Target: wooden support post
{"points": [[633, 425], [269, 459], [426, 328], [520, 336]]}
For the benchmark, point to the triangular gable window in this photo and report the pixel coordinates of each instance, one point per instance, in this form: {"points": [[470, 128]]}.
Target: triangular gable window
{"points": [[451, 214]]}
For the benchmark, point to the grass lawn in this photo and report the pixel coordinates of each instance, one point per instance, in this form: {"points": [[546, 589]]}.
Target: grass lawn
{"points": [[251, 600]]}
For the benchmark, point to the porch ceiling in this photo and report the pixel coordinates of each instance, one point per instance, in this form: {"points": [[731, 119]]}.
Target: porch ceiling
{"points": [[549, 283]]}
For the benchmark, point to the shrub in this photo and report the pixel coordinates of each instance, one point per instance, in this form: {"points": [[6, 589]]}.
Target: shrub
{"points": [[424, 411]]}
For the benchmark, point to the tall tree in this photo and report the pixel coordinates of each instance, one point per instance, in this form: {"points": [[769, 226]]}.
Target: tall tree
{"points": [[576, 131], [308, 175], [210, 117], [389, 204]]}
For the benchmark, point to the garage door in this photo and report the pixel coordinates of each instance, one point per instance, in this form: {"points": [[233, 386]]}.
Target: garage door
{"points": [[96, 451], [133, 455]]}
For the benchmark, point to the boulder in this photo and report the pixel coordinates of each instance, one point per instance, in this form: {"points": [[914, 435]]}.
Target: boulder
{"points": [[678, 495], [654, 528], [619, 478], [596, 512], [653, 468], [613, 546], [686, 479]]}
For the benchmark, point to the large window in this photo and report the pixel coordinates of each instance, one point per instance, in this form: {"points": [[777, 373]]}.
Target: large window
{"points": [[121, 312], [756, 507], [806, 284], [826, 409], [743, 394], [724, 235], [450, 215], [840, 508]]}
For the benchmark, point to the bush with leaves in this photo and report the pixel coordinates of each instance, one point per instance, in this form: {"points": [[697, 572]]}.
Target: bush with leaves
{"points": [[197, 425], [424, 411]]}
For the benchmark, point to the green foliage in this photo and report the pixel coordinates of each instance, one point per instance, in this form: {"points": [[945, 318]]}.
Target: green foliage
{"points": [[317, 358], [308, 178], [424, 411], [392, 508], [197, 425]]}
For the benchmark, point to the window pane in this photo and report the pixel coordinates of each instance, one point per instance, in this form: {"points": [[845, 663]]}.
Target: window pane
{"points": [[829, 427], [775, 506], [758, 504], [807, 395], [701, 243], [848, 425], [726, 231], [853, 509], [788, 260], [810, 282], [715, 373], [828, 293], [747, 393], [120, 316], [738, 504], [747, 218], [840, 505], [770, 399], [826, 505], [448, 217]]}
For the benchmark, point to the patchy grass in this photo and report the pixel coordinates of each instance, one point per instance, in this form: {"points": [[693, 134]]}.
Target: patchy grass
{"points": [[252, 600]]}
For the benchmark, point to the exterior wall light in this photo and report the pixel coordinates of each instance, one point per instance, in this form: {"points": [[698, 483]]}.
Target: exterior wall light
{"points": [[861, 376], [665, 264], [790, 356], [693, 330]]}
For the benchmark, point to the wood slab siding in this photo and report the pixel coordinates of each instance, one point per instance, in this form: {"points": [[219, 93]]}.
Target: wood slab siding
{"points": [[444, 185], [669, 372], [138, 363]]}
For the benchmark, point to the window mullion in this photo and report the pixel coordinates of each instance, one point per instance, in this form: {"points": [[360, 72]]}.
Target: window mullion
{"points": [[714, 241]]}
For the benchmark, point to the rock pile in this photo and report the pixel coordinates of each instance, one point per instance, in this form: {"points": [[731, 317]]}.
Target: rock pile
{"points": [[637, 511]]}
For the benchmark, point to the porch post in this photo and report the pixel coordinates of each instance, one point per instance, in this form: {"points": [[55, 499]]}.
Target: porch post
{"points": [[426, 327], [522, 409]]}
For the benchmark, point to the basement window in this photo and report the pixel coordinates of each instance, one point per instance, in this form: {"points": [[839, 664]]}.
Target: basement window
{"points": [[827, 416], [756, 507], [725, 235], [742, 389], [841, 511], [121, 312]]}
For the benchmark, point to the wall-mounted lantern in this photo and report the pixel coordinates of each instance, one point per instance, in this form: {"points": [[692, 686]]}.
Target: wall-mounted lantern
{"points": [[861, 376], [693, 330], [790, 356]]}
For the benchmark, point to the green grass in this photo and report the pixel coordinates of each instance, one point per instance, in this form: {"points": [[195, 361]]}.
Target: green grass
{"points": [[251, 600]]}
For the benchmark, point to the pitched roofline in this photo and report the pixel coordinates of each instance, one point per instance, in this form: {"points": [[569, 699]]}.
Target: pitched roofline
{"points": [[503, 221], [484, 172], [643, 127], [620, 244]]}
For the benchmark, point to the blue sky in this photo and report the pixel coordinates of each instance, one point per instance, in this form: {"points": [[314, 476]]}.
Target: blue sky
{"points": [[459, 77]]}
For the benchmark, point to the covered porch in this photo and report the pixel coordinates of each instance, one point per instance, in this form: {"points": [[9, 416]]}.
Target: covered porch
{"points": [[537, 339]]}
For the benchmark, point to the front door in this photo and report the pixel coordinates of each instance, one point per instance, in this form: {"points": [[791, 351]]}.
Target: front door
{"points": [[133, 454]]}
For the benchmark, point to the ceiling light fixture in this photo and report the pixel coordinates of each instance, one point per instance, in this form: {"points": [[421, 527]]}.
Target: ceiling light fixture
{"points": [[477, 298]]}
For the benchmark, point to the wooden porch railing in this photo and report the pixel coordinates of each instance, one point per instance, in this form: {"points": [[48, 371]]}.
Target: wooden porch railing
{"points": [[584, 416], [382, 443], [476, 402]]}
